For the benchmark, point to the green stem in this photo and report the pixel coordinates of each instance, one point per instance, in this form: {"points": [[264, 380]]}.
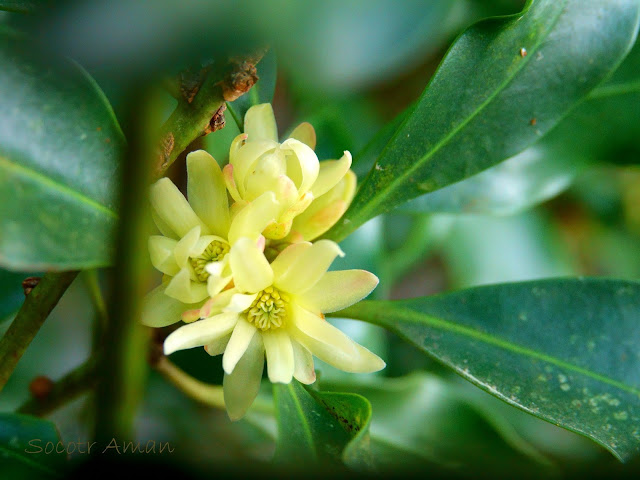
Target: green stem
{"points": [[80, 380], [30, 318], [210, 395]]}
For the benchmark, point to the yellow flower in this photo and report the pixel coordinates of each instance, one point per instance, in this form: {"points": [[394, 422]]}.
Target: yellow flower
{"points": [[196, 238], [258, 163], [276, 311]]}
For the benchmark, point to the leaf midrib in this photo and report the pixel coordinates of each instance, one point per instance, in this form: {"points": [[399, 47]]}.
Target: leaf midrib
{"points": [[418, 318], [419, 163], [53, 184]]}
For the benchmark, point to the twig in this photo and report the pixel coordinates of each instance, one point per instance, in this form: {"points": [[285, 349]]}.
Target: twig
{"points": [[210, 395], [30, 318]]}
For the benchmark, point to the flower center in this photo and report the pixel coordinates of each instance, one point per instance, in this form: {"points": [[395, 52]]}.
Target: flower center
{"points": [[214, 252], [269, 309]]}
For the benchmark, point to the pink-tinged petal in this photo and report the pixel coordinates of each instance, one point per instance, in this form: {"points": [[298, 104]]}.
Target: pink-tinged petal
{"points": [[207, 192], [338, 290], [240, 339], [190, 316], [288, 257], [304, 370], [303, 166], [161, 253], [229, 181], [260, 123], [333, 347], [173, 209], [280, 364], [200, 333], [306, 134], [160, 310], [217, 347], [251, 270], [253, 218], [331, 172], [214, 305], [242, 386], [182, 288], [309, 267]]}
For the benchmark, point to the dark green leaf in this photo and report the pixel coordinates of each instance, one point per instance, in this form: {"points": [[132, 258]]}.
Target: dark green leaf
{"points": [[565, 350], [27, 448], [22, 6], [315, 427], [488, 100], [59, 151]]}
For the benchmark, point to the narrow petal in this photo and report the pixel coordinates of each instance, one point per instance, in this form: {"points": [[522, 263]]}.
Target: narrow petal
{"points": [[207, 192], [200, 333], [186, 244], [318, 328], [173, 209], [253, 218], [214, 305], [230, 182], [162, 226], [245, 159], [182, 288], [242, 386], [251, 270], [304, 370], [215, 284], [306, 166], [217, 347], [338, 290], [288, 257], [355, 359], [240, 339], [239, 302], [160, 310], [306, 134], [331, 172], [309, 267], [280, 364], [161, 253], [260, 123]]}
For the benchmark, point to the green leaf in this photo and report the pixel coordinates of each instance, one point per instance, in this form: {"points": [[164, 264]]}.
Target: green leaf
{"points": [[262, 92], [11, 293], [479, 107], [565, 350], [25, 449], [316, 427], [22, 6], [60, 146]]}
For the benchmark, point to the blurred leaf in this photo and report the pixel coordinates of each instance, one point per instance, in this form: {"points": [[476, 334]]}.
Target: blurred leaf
{"points": [[22, 6], [59, 151], [262, 92], [564, 350], [424, 420], [23, 440], [459, 129], [315, 427], [11, 293]]}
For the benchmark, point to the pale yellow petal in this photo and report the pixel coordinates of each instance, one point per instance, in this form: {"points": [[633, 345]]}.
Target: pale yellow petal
{"points": [[279, 352], [203, 242], [309, 267], [186, 244], [230, 183], [253, 218], [217, 347], [251, 270], [182, 288], [331, 172], [239, 302], [306, 134], [302, 165], [207, 192], [240, 339], [161, 253], [242, 386], [244, 160], [288, 257], [163, 227], [264, 175], [260, 123], [338, 290], [200, 333], [173, 209], [214, 305], [304, 370], [316, 327], [160, 310]]}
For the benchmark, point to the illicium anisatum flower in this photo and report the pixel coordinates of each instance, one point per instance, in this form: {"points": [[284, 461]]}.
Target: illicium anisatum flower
{"points": [[276, 311], [259, 163], [193, 250]]}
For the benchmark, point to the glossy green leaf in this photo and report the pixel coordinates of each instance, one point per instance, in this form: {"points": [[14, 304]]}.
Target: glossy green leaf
{"points": [[60, 146], [27, 448], [565, 350], [479, 107], [319, 428]]}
